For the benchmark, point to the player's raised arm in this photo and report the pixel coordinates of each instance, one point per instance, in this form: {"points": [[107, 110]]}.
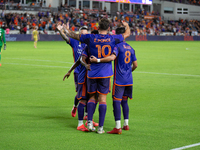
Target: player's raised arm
{"points": [[61, 31], [127, 30], [76, 64], [93, 59], [70, 33]]}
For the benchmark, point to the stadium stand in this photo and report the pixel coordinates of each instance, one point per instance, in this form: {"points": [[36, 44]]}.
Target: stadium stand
{"points": [[142, 22]]}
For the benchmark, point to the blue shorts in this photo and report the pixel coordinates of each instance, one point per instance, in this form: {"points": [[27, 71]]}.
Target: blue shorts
{"points": [[76, 81], [101, 85], [82, 92], [122, 91]]}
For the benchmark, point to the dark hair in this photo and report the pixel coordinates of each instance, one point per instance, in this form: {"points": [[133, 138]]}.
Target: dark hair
{"points": [[104, 24], [120, 30], [95, 32]]}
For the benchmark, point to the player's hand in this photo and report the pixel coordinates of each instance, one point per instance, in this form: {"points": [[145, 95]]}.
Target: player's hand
{"points": [[93, 59], [66, 26], [4, 47], [67, 75], [125, 23], [88, 67], [59, 27]]}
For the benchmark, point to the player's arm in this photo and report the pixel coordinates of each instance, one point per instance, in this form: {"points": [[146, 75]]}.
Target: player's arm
{"points": [[70, 33], [93, 59], [4, 40], [64, 36], [83, 62], [134, 65], [127, 32], [76, 64]]}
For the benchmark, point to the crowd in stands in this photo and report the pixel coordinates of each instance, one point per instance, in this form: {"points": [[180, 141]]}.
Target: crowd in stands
{"points": [[141, 22]]}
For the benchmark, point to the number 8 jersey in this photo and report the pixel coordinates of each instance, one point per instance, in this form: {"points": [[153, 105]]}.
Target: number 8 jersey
{"points": [[125, 55], [100, 46]]}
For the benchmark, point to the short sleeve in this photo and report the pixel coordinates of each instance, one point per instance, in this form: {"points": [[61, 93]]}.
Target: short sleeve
{"points": [[118, 38], [85, 38], [85, 52]]}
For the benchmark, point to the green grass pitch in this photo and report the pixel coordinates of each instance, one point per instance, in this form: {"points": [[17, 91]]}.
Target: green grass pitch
{"points": [[35, 104]]}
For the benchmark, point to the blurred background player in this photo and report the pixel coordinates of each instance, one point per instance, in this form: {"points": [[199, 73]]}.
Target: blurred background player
{"points": [[125, 63], [100, 45], [2, 37], [82, 94], [77, 48], [35, 36]]}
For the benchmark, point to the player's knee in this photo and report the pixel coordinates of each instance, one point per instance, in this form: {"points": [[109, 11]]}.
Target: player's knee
{"points": [[92, 96], [83, 101], [102, 98]]}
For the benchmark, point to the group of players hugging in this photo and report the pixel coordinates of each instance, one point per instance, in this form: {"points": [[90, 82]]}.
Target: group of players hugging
{"points": [[93, 54]]}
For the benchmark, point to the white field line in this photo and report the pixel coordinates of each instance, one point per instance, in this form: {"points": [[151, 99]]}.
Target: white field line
{"points": [[171, 74], [41, 60], [37, 65], [187, 75], [188, 146]]}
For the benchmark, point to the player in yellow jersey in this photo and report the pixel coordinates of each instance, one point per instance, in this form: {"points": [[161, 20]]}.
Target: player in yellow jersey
{"points": [[35, 36]]}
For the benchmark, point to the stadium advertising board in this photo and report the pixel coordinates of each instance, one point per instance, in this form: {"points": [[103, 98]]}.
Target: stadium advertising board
{"points": [[44, 37], [147, 2]]}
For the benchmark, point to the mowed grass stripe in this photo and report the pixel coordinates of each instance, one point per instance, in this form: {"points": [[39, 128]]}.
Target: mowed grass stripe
{"points": [[36, 104]]}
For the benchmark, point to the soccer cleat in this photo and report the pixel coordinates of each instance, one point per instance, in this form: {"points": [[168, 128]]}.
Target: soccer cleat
{"points": [[82, 128], [100, 131], [125, 127], [115, 131], [85, 117], [94, 123], [73, 113], [0, 65], [90, 127]]}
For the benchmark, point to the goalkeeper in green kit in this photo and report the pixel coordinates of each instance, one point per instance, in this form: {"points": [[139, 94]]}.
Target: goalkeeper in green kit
{"points": [[2, 37]]}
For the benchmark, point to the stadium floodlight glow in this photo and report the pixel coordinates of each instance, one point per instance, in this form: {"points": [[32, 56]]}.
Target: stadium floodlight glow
{"points": [[146, 2]]}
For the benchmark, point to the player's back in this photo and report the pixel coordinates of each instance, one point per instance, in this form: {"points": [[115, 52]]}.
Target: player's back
{"points": [[101, 46], [77, 48], [123, 70]]}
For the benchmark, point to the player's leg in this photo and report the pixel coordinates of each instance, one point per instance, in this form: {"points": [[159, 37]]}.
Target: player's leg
{"points": [[85, 114], [74, 109], [91, 88], [35, 42], [102, 112], [0, 55], [103, 88], [125, 107], [81, 107], [82, 96], [118, 92]]}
